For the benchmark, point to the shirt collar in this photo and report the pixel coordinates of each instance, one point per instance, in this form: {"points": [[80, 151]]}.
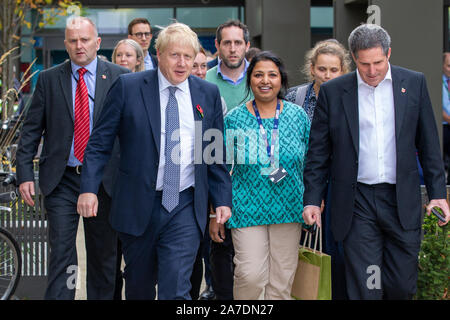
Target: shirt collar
{"points": [[91, 67], [388, 76], [164, 83], [219, 70]]}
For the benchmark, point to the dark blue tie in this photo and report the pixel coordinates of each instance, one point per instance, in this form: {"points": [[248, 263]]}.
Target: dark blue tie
{"points": [[171, 180]]}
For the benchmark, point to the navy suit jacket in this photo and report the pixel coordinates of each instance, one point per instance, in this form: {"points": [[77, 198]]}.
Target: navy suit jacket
{"points": [[132, 112], [334, 148]]}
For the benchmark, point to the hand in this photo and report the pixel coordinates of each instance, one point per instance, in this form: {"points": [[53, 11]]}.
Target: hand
{"points": [[87, 205], [216, 231], [26, 190], [311, 215], [443, 204], [223, 214]]}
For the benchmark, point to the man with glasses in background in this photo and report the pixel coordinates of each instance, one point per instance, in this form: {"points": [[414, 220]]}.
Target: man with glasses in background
{"points": [[140, 30]]}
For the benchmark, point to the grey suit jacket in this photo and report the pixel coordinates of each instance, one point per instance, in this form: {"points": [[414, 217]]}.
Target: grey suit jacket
{"points": [[51, 116]]}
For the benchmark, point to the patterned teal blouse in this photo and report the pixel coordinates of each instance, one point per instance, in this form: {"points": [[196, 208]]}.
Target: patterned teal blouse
{"points": [[257, 200]]}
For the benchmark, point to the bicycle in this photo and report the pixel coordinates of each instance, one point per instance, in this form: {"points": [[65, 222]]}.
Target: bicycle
{"points": [[10, 254]]}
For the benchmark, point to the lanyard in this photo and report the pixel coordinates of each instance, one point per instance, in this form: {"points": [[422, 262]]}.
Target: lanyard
{"points": [[271, 148]]}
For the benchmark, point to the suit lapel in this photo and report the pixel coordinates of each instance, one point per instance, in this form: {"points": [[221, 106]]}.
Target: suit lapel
{"points": [[400, 99], [197, 98], [102, 81], [350, 102], [150, 94], [66, 86]]}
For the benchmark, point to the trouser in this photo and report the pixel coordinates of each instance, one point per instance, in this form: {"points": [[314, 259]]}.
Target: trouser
{"points": [[164, 254], [381, 258], [266, 260], [222, 267], [197, 273], [446, 143], [100, 241]]}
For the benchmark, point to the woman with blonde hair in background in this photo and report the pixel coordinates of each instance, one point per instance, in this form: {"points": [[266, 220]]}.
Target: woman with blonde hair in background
{"points": [[327, 60], [128, 53]]}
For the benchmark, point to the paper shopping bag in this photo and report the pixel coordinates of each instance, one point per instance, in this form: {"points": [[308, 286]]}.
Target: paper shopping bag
{"points": [[312, 279]]}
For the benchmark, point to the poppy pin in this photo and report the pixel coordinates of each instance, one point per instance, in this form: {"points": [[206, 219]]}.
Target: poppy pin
{"points": [[403, 90], [103, 76], [200, 110]]}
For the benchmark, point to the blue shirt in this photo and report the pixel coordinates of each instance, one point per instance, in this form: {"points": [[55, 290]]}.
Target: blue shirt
{"points": [[445, 96], [148, 62], [89, 78], [241, 77]]}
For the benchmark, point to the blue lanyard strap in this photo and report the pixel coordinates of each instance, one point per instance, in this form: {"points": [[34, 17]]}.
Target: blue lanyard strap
{"points": [[271, 148]]}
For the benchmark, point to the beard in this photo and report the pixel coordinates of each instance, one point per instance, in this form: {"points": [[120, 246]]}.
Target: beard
{"points": [[230, 65]]}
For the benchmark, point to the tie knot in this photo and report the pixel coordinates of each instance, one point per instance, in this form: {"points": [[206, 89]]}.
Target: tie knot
{"points": [[82, 71], [172, 90]]}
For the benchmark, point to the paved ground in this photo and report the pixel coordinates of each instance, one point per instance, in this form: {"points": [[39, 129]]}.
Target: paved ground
{"points": [[80, 294]]}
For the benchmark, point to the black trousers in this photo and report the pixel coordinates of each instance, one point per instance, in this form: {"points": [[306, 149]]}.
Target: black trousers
{"points": [[100, 240], [381, 258], [222, 267], [446, 140]]}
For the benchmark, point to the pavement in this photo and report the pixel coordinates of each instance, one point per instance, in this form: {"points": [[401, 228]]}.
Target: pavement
{"points": [[80, 293]]}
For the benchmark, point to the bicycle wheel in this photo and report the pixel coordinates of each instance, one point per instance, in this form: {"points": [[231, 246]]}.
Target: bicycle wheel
{"points": [[10, 264]]}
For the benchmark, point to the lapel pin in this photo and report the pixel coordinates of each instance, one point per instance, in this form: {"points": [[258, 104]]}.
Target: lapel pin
{"points": [[200, 111], [103, 76], [403, 90]]}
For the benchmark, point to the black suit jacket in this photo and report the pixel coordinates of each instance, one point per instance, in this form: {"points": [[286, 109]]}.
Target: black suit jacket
{"points": [[51, 115], [334, 147], [133, 113]]}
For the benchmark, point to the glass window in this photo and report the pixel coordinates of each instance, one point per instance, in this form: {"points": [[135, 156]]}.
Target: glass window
{"points": [[210, 17], [116, 20], [321, 17]]}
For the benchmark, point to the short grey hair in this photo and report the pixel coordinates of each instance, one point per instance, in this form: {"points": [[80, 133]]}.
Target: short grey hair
{"points": [[368, 36]]}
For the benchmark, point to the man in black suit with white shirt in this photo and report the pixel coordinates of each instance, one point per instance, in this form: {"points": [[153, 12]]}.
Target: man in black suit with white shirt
{"points": [[66, 104], [366, 130]]}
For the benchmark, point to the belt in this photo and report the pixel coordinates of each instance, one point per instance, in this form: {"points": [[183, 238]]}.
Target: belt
{"points": [[76, 169], [378, 185]]}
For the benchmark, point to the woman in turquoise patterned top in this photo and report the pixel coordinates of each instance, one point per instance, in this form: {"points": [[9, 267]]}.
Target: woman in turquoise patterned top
{"points": [[267, 215]]}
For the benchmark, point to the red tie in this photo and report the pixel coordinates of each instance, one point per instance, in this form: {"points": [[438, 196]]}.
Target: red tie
{"points": [[81, 129]]}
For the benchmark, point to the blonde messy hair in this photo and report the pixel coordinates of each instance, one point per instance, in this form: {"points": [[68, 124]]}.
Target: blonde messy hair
{"points": [[330, 46], [177, 33]]}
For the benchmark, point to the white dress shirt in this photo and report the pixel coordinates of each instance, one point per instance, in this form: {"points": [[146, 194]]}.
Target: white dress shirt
{"points": [[377, 148], [187, 132]]}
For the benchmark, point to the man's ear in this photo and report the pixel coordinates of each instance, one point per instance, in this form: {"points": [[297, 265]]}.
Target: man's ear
{"points": [[216, 44]]}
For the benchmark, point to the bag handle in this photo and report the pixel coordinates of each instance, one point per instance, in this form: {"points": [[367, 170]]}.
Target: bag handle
{"points": [[309, 237]]}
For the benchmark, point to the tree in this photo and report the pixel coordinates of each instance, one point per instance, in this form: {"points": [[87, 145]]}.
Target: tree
{"points": [[15, 15]]}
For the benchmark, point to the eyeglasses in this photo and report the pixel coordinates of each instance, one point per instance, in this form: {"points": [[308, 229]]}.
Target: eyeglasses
{"points": [[141, 34]]}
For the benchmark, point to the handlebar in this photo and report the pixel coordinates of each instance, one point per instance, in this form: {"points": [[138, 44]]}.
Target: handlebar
{"points": [[9, 196]]}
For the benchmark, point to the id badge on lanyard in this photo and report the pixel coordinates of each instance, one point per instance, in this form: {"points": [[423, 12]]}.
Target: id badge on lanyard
{"points": [[278, 173]]}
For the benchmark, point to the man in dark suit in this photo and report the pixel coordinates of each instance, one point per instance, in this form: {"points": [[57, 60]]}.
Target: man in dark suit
{"points": [[366, 130], [140, 30], [160, 199], [66, 104]]}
